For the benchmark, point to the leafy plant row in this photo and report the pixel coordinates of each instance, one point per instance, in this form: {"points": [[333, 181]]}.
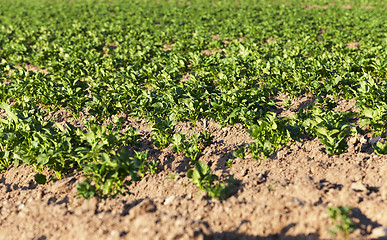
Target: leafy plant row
{"points": [[183, 61], [29, 139]]}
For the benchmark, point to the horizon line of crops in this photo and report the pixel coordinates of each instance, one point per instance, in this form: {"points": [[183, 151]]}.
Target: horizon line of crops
{"points": [[183, 61]]}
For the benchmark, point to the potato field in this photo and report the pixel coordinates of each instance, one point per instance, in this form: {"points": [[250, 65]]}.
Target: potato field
{"points": [[177, 119]]}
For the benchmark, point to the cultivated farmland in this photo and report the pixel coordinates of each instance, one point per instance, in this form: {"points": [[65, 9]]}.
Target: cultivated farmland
{"points": [[195, 119]]}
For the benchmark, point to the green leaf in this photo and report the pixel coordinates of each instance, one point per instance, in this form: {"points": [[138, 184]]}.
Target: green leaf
{"points": [[40, 178], [9, 112], [323, 131], [85, 190], [369, 113], [43, 159]]}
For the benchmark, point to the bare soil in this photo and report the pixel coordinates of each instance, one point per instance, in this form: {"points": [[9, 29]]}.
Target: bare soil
{"points": [[283, 197]]}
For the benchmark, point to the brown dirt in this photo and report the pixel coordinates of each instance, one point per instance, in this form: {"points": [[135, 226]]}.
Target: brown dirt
{"points": [[367, 7], [352, 45], [270, 40], [309, 7], [110, 46], [283, 197], [28, 67], [347, 6], [217, 36], [212, 51], [321, 34], [167, 47]]}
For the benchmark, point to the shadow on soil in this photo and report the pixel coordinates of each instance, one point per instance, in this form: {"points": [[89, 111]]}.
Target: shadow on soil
{"points": [[235, 236], [363, 222], [281, 235], [10, 187]]}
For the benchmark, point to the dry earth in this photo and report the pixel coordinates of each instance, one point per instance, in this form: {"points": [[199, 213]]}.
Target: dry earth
{"points": [[283, 197]]}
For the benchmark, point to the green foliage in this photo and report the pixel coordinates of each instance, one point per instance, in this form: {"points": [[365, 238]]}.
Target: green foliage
{"points": [[380, 147], [287, 103], [204, 139], [27, 138], [239, 153], [229, 162], [371, 98], [196, 145], [152, 166], [222, 190], [104, 139], [107, 176], [179, 144], [86, 190], [332, 130], [171, 62], [330, 127], [40, 178], [375, 118], [326, 103], [343, 224], [201, 176], [269, 135], [161, 132]]}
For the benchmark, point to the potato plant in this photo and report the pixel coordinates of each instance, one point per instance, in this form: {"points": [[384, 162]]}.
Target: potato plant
{"points": [[182, 61]]}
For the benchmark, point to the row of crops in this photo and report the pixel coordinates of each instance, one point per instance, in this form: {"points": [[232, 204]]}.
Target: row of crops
{"points": [[174, 61]]}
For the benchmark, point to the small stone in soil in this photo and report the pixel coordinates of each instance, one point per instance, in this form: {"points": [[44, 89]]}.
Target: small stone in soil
{"points": [[169, 200]]}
